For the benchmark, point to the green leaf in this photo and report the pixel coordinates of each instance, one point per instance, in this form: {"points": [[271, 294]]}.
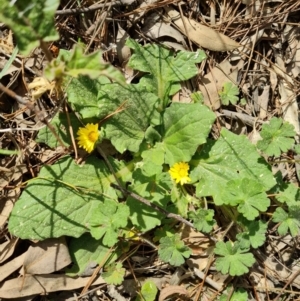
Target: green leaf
{"points": [[153, 160], [164, 66], [106, 219], [297, 149], [86, 252], [287, 193], [148, 292], [61, 125], [234, 260], [186, 127], [254, 234], [126, 130], [197, 97], [152, 135], [91, 65], [239, 294], [230, 157], [243, 101], [155, 190], [9, 62], [8, 152], [166, 230], [203, 219], [173, 250], [180, 201], [248, 195], [30, 22], [61, 200], [277, 137], [229, 93], [289, 221], [114, 274], [83, 96]]}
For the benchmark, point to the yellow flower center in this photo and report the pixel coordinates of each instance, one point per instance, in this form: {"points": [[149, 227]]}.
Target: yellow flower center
{"points": [[182, 172], [93, 136]]}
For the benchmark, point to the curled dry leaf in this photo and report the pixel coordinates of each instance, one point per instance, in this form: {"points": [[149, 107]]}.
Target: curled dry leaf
{"points": [[202, 35]]}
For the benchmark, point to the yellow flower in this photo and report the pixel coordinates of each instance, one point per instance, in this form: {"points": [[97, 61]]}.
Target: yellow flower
{"points": [[88, 136], [180, 172]]}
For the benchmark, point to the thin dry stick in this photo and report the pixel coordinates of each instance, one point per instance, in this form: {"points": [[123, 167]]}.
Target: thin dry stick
{"points": [[155, 207], [82, 10], [96, 272], [292, 278]]}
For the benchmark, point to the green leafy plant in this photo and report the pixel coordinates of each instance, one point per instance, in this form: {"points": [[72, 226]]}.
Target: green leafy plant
{"points": [[114, 273], [203, 219], [229, 93], [234, 260], [277, 137], [106, 219], [289, 221], [166, 159], [254, 234], [239, 294], [247, 195], [173, 250], [148, 292]]}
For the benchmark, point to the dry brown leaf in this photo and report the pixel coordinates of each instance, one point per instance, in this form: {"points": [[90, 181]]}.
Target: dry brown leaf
{"points": [[196, 241], [155, 28], [294, 67], [47, 256], [262, 284], [171, 290], [212, 83], [288, 97], [11, 266], [7, 249], [202, 35], [42, 284]]}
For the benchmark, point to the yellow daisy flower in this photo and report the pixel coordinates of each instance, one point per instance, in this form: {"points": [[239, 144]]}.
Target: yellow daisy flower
{"points": [[180, 172], [88, 136]]}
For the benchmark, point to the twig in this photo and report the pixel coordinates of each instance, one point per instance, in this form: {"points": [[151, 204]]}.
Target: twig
{"points": [[149, 204], [291, 279], [208, 280], [91, 8]]}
